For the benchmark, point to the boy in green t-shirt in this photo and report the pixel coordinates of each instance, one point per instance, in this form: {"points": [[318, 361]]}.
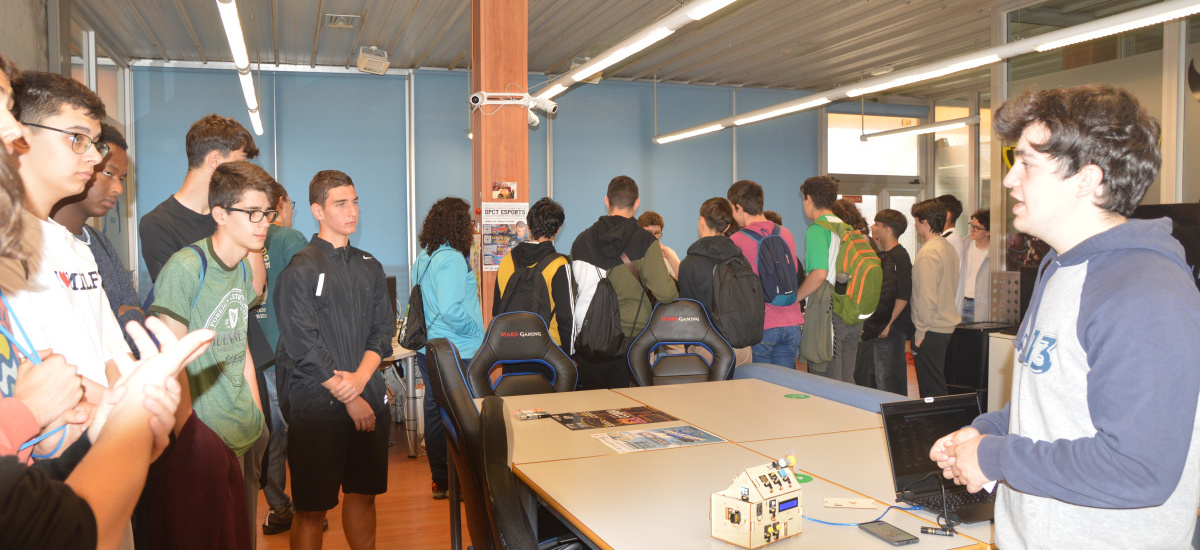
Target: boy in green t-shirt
{"points": [[209, 285]]}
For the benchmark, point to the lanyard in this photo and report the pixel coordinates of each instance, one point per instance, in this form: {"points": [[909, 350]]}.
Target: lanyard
{"points": [[28, 352]]}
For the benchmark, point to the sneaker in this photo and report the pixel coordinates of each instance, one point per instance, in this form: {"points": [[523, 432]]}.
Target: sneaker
{"points": [[277, 522], [439, 491]]}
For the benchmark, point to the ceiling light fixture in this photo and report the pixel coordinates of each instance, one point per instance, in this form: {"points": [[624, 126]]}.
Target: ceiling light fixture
{"points": [[685, 135], [644, 38], [1148, 15], [241, 60], [927, 128]]}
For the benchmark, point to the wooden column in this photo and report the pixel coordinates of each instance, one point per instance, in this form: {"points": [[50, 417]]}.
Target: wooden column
{"points": [[500, 148]]}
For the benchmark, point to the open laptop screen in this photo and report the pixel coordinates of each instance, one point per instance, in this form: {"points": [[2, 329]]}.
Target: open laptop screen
{"points": [[912, 427]]}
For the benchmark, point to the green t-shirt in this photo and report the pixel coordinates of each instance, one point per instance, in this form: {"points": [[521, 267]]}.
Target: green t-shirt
{"points": [[282, 243], [220, 394], [817, 240]]}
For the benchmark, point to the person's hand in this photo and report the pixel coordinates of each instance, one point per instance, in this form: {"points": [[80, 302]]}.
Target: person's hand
{"points": [[74, 422], [49, 389], [355, 382], [150, 381], [361, 413], [966, 468], [938, 454], [342, 389], [887, 329], [917, 344]]}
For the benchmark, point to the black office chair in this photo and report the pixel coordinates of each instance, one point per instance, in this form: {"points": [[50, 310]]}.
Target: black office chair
{"points": [[511, 527], [680, 322], [463, 441], [517, 341]]}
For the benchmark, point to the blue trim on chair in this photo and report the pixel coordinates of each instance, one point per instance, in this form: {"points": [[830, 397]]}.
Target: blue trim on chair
{"points": [[553, 372], [629, 365]]}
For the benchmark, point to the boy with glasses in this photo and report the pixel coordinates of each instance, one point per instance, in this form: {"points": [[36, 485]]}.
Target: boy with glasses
{"points": [[56, 294], [208, 285]]}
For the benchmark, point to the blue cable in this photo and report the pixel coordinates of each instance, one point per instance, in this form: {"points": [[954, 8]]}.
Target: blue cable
{"points": [[39, 439], [889, 508]]}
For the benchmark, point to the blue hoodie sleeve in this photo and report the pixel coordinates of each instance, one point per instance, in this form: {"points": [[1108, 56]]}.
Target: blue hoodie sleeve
{"points": [[1142, 336]]}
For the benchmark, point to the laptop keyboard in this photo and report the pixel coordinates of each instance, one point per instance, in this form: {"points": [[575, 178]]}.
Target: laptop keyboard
{"points": [[954, 500]]}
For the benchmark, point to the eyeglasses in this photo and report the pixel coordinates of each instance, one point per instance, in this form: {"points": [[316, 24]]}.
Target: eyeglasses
{"points": [[293, 203], [79, 142], [256, 215], [978, 228]]}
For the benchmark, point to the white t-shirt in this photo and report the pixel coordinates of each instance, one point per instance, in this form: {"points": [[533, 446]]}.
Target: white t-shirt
{"points": [[975, 258], [61, 304]]}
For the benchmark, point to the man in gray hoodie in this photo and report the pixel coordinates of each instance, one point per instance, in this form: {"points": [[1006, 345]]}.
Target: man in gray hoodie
{"points": [[1099, 447]]}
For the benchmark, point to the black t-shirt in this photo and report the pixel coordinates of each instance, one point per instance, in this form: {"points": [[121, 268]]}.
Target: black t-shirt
{"points": [[39, 512], [167, 229], [897, 285]]}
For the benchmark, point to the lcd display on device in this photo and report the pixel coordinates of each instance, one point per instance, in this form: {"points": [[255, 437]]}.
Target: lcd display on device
{"points": [[889, 533], [788, 504]]}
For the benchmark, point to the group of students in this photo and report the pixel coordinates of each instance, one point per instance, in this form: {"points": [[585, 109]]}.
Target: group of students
{"points": [[264, 337]]}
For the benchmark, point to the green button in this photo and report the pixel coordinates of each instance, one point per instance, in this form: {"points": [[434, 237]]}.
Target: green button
{"points": [[797, 396], [801, 478]]}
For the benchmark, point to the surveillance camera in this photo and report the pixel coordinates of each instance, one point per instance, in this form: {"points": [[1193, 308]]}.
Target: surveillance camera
{"points": [[533, 119], [545, 105], [478, 98]]}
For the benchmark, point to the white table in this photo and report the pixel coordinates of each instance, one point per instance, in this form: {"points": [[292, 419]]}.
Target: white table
{"points": [[661, 499], [856, 460], [752, 410]]}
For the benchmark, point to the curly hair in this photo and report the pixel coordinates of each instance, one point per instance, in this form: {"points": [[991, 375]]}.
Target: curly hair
{"points": [[649, 218], [823, 190], [12, 197], [449, 222], [217, 133], [1096, 124], [849, 213], [545, 218]]}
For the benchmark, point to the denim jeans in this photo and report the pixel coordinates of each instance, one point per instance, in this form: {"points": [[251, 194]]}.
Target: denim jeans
{"points": [[779, 346], [435, 432], [277, 499], [968, 312], [881, 363]]}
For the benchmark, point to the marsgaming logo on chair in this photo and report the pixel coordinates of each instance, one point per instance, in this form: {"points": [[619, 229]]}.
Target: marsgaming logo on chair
{"points": [[679, 319], [519, 334]]}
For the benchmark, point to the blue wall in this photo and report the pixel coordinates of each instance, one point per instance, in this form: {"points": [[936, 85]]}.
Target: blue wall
{"points": [[355, 123]]}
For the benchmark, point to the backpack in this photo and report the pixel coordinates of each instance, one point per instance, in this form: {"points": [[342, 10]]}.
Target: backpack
{"points": [[416, 333], [527, 289], [859, 275], [738, 307], [203, 269], [599, 338], [776, 268]]}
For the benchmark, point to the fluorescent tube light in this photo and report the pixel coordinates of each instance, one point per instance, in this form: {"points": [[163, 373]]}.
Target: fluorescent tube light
{"points": [[247, 81], [612, 59], [783, 111], [552, 91], [233, 32], [705, 9], [256, 121], [928, 128], [935, 73], [685, 135], [1121, 27]]}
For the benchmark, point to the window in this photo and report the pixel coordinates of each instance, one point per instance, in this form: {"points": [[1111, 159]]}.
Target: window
{"points": [[893, 156]]}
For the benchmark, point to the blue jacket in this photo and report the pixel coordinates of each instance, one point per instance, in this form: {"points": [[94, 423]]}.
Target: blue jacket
{"points": [[1102, 427], [451, 301]]}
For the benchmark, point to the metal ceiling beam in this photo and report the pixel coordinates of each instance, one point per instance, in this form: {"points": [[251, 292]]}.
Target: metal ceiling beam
{"points": [[362, 22], [191, 30], [105, 35], [137, 16], [274, 15], [617, 25], [585, 19], [317, 32], [403, 25], [462, 8]]}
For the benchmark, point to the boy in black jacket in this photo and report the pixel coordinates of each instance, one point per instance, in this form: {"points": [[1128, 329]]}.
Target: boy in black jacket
{"points": [[696, 270]]}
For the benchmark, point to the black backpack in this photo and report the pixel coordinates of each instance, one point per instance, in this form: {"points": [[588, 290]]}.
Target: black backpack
{"points": [[600, 335], [738, 307], [527, 290], [776, 268]]}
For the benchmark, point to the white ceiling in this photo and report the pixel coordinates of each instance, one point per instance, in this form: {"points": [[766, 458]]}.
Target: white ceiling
{"points": [[790, 44]]}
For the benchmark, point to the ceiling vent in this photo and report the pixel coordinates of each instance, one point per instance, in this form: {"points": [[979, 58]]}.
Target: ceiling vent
{"points": [[341, 21], [373, 60]]}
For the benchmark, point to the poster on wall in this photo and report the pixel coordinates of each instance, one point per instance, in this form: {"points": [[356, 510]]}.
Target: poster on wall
{"points": [[503, 228]]}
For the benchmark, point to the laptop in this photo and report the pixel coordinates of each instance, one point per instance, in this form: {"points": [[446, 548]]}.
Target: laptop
{"points": [[911, 429]]}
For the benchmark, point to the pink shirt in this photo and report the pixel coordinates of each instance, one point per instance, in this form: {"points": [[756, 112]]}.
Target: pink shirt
{"points": [[777, 316], [17, 425]]}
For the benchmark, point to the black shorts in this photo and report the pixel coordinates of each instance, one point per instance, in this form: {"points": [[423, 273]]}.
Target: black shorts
{"points": [[326, 456]]}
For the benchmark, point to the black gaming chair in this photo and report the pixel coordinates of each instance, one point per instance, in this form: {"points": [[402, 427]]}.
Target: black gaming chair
{"points": [[510, 524], [680, 322], [516, 341], [463, 441]]}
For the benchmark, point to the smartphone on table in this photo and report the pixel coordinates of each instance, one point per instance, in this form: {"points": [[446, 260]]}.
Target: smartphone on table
{"points": [[888, 533]]}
